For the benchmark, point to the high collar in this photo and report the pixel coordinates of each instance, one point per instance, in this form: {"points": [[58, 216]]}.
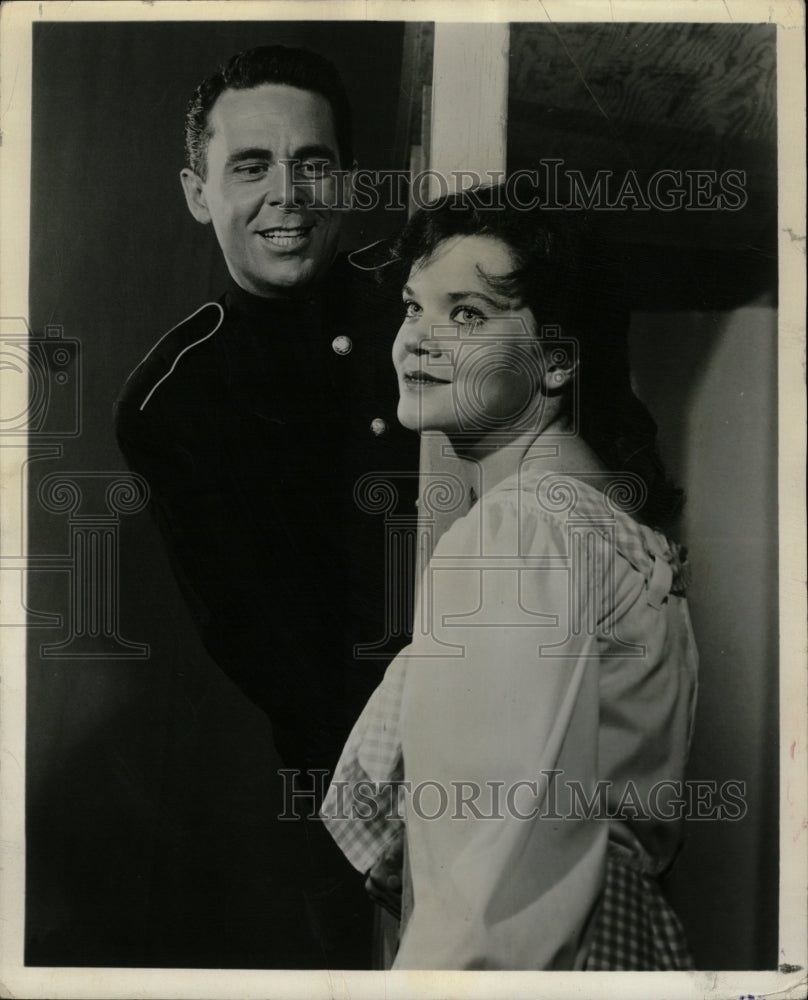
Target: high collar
{"points": [[260, 308], [307, 303]]}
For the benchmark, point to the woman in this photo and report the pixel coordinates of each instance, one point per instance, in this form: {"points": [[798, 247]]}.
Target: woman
{"points": [[540, 718]]}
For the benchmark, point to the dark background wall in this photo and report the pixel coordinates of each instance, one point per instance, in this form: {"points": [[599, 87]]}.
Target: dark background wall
{"points": [[152, 785]]}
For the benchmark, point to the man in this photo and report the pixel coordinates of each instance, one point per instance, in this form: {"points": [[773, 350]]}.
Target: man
{"points": [[257, 420]]}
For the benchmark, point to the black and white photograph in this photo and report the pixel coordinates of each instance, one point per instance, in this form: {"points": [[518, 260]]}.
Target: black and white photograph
{"points": [[403, 528]]}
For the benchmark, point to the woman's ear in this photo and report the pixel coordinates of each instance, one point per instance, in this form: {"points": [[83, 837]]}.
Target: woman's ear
{"points": [[561, 367]]}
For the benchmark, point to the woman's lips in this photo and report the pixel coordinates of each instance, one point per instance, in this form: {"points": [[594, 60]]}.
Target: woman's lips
{"points": [[418, 379]]}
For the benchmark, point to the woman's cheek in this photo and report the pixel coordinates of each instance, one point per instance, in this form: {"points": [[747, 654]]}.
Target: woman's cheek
{"points": [[498, 390]]}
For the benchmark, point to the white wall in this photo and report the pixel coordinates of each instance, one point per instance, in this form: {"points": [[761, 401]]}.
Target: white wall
{"points": [[710, 380]]}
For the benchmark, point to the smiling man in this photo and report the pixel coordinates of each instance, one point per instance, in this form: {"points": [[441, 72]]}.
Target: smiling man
{"points": [[256, 421], [268, 178]]}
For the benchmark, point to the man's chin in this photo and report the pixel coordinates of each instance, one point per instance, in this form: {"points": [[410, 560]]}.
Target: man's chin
{"points": [[285, 279]]}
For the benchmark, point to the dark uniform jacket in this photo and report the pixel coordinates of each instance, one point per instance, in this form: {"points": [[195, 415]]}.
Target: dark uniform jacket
{"points": [[265, 429]]}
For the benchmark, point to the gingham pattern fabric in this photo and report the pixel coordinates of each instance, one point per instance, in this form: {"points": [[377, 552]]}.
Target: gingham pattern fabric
{"points": [[635, 930], [358, 808], [639, 545]]}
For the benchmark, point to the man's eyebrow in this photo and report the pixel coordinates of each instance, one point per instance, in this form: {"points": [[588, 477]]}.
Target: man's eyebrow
{"points": [[316, 151], [249, 153]]}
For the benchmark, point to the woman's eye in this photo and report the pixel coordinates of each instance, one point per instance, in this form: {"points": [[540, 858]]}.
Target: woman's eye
{"points": [[411, 309], [468, 316]]}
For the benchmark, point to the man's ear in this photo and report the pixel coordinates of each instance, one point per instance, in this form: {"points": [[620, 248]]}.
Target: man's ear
{"points": [[194, 189]]}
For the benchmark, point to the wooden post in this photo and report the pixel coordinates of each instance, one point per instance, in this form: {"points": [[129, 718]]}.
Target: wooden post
{"points": [[467, 134], [467, 138]]}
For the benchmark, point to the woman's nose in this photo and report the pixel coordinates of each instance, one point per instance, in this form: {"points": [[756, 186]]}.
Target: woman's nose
{"points": [[417, 336]]}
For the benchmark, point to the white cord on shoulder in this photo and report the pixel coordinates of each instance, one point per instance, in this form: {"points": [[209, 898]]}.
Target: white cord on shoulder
{"points": [[370, 246], [185, 350]]}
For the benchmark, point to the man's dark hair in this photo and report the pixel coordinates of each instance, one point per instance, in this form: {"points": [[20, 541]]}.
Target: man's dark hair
{"points": [[280, 64]]}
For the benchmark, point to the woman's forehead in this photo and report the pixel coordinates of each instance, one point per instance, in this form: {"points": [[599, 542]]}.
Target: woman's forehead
{"points": [[468, 259]]}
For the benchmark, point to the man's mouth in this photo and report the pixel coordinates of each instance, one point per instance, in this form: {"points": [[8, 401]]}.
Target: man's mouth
{"points": [[420, 379], [286, 237]]}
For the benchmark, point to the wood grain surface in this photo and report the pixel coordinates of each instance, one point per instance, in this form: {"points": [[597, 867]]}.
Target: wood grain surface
{"points": [[651, 97]]}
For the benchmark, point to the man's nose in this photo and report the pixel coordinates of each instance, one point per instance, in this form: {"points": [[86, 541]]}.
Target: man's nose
{"points": [[281, 190]]}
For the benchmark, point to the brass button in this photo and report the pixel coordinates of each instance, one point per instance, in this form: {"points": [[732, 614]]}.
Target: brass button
{"points": [[342, 345], [378, 426]]}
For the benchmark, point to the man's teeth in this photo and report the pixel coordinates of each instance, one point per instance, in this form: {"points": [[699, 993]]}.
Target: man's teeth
{"points": [[285, 233]]}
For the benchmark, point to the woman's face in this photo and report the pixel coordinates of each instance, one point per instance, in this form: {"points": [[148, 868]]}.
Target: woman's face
{"points": [[467, 357]]}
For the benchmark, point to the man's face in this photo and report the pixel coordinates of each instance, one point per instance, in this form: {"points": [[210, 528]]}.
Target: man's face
{"points": [[277, 224]]}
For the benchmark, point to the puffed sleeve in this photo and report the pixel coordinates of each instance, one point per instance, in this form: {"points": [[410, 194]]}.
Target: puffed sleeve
{"points": [[499, 715]]}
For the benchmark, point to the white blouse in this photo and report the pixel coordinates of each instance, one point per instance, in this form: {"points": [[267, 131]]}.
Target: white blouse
{"points": [[542, 712]]}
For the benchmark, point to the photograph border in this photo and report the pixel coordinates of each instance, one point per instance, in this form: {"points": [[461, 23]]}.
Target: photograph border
{"points": [[15, 191]]}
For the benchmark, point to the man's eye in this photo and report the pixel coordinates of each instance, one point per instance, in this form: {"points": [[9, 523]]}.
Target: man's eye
{"points": [[411, 309], [315, 168], [251, 169]]}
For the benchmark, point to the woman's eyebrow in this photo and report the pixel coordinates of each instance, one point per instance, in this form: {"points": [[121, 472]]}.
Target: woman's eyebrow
{"points": [[472, 294]]}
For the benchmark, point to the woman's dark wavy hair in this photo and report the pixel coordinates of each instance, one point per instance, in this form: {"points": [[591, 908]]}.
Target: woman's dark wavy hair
{"points": [[567, 279], [280, 64]]}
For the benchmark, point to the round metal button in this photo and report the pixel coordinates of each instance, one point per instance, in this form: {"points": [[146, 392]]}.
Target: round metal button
{"points": [[342, 345], [378, 426]]}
